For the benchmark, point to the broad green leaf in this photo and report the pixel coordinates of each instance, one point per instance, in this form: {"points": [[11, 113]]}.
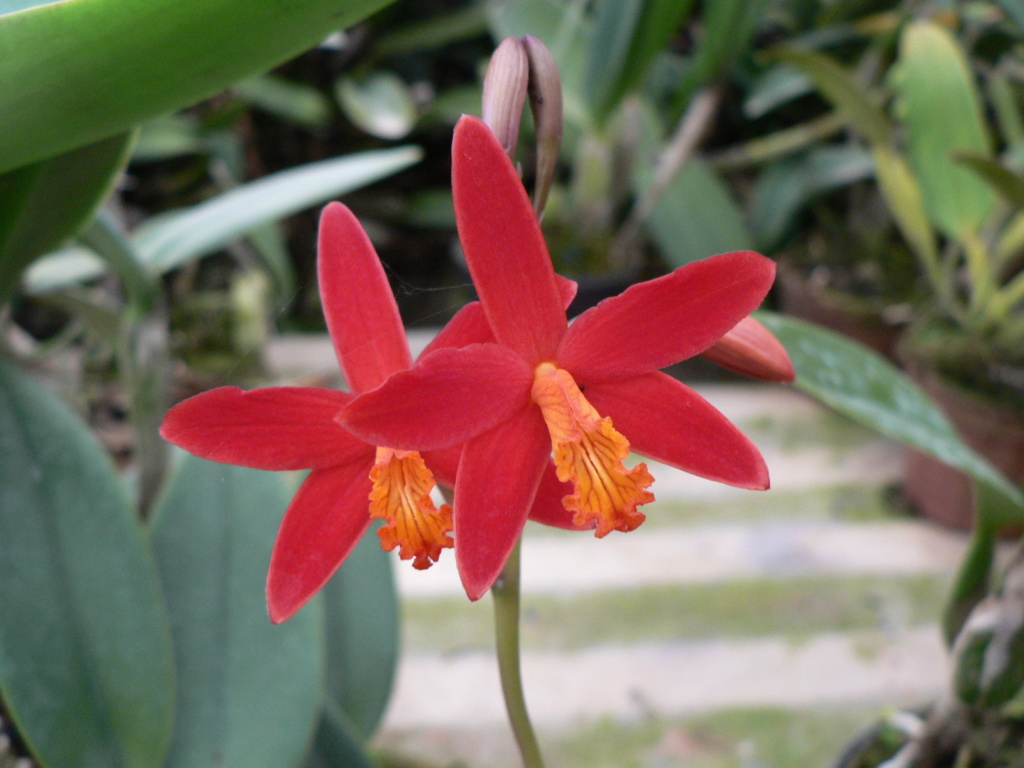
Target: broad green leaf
{"points": [[10, 6], [861, 384], [46, 203], [361, 611], [136, 59], [786, 187], [696, 217], [86, 665], [840, 87], [380, 104], [249, 692], [171, 240], [939, 105]]}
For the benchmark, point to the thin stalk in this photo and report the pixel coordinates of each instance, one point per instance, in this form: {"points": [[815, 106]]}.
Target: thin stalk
{"points": [[506, 627], [778, 144]]}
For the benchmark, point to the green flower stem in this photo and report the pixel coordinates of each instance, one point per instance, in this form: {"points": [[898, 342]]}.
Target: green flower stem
{"points": [[506, 625]]}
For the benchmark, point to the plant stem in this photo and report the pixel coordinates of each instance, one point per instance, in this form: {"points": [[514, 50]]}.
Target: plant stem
{"points": [[506, 625]]}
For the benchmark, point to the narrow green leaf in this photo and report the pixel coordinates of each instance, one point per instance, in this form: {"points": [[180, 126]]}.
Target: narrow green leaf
{"points": [[336, 744], [786, 187], [863, 385], [840, 87], [940, 106], [697, 217], [293, 101], [136, 59], [728, 28], [361, 611], [86, 665], [1005, 182], [614, 27], [974, 577], [249, 692], [46, 203], [177, 237], [903, 195], [166, 242]]}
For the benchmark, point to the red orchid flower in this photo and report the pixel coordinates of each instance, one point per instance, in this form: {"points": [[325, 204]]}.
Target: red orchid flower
{"points": [[288, 428], [548, 387]]}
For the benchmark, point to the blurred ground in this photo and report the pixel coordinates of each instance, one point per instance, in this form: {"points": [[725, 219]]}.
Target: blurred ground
{"points": [[733, 628]]}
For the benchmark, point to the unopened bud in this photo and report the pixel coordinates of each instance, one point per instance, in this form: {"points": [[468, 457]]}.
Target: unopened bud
{"points": [[504, 93], [546, 104], [751, 349]]}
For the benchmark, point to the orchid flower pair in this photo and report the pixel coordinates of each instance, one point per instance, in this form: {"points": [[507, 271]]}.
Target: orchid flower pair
{"points": [[526, 415]]}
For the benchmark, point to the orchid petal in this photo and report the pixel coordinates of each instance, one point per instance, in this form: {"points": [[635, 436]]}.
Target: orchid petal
{"points": [[325, 520], [280, 428], [496, 485], [504, 247], [444, 463], [468, 326], [361, 313], [548, 508], [448, 397], [660, 322], [667, 421]]}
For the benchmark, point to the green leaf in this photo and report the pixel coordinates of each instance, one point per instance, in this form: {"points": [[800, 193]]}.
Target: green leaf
{"points": [[696, 217], [172, 240], [86, 665], [614, 27], [300, 103], [380, 104], [361, 611], [863, 385], [840, 87], [136, 59], [786, 187], [167, 242], [939, 104], [1005, 182], [336, 744], [249, 692], [728, 29], [46, 203], [902, 193], [974, 576]]}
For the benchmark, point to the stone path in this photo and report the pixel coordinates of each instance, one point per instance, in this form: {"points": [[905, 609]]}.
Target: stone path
{"points": [[440, 693]]}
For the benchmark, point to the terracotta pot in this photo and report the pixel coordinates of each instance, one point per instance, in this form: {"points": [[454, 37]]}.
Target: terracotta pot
{"points": [[994, 430], [849, 315]]}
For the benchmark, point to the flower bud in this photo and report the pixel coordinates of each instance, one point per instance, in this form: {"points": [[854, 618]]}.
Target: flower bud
{"points": [[751, 349], [546, 104], [504, 92]]}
